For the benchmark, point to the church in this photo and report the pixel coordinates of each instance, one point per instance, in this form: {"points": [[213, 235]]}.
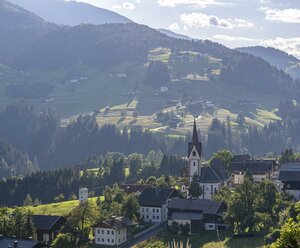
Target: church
{"points": [[210, 177]]}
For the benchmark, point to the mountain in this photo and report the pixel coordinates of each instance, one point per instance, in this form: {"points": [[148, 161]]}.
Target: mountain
{"points": [[173, 34], [70, 12], [276, 57], [20, 27]]}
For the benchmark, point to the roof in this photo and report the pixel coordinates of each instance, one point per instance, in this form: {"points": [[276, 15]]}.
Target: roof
{"points": [[186, 216], [241, 158], [46, 222], [156, 197], [290, 172], [214, 173], [7, 242], [115, 223], [205, 206], [258, 166], [195, 142]]}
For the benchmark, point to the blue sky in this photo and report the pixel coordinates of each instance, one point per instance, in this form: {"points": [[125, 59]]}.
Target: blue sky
{"points": [[231, 22]]}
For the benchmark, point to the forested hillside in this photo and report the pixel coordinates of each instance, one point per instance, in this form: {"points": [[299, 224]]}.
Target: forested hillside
{"points": [[20, 27]]}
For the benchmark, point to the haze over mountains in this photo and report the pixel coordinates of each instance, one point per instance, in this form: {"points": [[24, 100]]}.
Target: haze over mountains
{"points": [[70, 12], [54, 57]]}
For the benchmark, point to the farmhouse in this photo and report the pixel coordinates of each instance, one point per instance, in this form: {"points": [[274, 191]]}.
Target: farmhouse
{"points": [[199, 214], [47, 227], [153, 204], [260, 169], [210, 178], [113, 232], [289, 176]]}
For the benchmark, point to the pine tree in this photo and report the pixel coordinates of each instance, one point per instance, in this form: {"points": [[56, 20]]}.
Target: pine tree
{"points": [[28, 200], [194, 189]]}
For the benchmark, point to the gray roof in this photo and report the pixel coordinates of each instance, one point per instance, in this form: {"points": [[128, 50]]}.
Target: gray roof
{"points": [[5, 242], [254, 166], [290, 172], [115, 223], [186, 216], [46, 222], [156, 197], [214, 173], [205, 206]]}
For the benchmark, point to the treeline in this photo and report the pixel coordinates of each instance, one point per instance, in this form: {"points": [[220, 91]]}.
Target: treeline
{"points": [[63, 184], [14, 162]]}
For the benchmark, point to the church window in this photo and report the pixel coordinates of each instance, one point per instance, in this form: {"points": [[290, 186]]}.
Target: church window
{"points": [[194, 153], [194, 163]]}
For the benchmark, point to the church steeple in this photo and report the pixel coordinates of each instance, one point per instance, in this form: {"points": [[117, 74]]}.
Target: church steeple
{"points": [[195, 142]]}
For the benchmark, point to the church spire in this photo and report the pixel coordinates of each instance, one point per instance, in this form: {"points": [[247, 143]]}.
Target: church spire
{"points": [[195, 134]]}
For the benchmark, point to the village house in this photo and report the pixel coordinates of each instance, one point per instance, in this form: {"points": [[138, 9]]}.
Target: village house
{"points": [[210, 177], [153, 204], [289, 176], [113, 232], [47, 227], [198, 214], [260, 169]]}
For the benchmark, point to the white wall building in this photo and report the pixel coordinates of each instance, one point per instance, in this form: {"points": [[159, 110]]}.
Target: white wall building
{"points": [[153, 204], [83, 195], [113, 232]]}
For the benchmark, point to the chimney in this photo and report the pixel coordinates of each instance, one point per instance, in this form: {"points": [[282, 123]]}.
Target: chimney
{"points": [[15, 244]]}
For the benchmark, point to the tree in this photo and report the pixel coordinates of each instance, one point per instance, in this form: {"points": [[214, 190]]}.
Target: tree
{"points": [[157, 74], [174, 228], [59, 198], [28, 200], [225, 156], [185, 229], [194, 189], [64, 240], [130, 207]]}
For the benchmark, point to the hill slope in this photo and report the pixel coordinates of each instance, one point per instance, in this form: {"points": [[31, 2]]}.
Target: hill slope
{"points": [[70, 12], [20, 27], [276, 57]]}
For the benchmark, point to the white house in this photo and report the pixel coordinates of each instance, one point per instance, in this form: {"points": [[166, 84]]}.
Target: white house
{"points": [[210, 178], [83, 195], [153, 204], [113, 232], [289, 176]]}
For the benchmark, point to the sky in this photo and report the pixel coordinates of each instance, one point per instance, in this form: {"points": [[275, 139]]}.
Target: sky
{"points": [[233, 23]]}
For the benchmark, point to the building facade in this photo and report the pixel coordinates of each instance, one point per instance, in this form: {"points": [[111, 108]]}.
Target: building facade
{"points": [[113, 232], [83, 195], [153, 204], [210, 177], [289, 176]]}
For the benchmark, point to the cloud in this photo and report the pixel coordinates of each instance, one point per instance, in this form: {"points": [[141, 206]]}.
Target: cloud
{"points": [[196, 3], [231, 38], [125, 5], [197, 20], [174, 26], [289, 45], [284, 15]]}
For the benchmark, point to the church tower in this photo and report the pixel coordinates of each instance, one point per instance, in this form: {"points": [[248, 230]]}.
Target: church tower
{"points": [[194, 155]]}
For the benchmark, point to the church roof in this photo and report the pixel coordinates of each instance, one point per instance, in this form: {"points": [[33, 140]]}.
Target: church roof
{"points": [[195, 142], [214, 173]]}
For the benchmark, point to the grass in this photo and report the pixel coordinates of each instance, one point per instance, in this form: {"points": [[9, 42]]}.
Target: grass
{"points": [[62, 208], [161, 54], [208, 239]]}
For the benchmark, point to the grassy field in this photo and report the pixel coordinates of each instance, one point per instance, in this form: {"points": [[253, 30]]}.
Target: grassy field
{"points": [[62, 208], [207, 240]]}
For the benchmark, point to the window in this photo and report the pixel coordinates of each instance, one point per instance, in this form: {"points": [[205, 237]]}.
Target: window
{"points": [[98, 231], [157, 210], [102, 240], [153, 217], [143, 210], [102, 231], [108, 240], [194, 153], [98, 239], [153, 210], [113, 241], [210, 226], [112, 232], [157, 217], [108, 232], [147, 217], [147, 210], [119, 240], [194, 163]]}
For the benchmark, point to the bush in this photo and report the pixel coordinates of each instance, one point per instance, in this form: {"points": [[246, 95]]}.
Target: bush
{"points": [[174, 228]]}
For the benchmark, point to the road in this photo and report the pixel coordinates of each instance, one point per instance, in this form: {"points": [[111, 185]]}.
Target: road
{"points": [[146, 236]]}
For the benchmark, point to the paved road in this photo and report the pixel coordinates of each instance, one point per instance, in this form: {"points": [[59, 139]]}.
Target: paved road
{"points": [[146, 236]]}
